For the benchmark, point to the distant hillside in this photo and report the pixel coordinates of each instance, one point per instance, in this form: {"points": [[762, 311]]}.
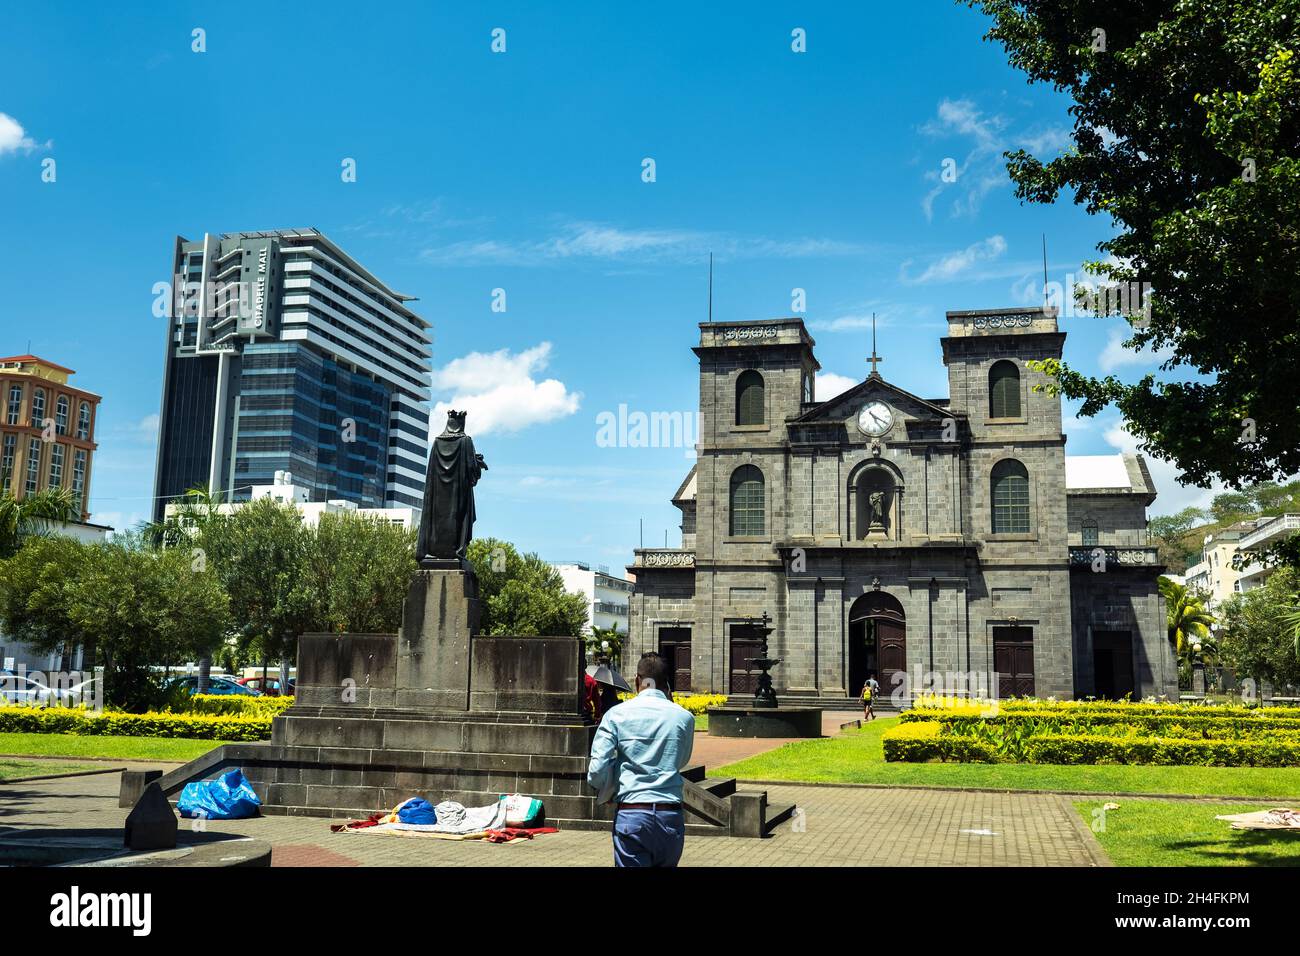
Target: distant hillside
{"points": [[1180, 536]]}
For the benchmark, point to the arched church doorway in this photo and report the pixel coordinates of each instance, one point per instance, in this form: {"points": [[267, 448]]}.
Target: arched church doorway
{"points": [[877, 641]]}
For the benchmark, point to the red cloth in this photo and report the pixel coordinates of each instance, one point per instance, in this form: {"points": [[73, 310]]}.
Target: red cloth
{"points": [[506, 834], [370, 821]]}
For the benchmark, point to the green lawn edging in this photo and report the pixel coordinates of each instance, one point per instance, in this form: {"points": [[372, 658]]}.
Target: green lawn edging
{"points": [[857, 758]]}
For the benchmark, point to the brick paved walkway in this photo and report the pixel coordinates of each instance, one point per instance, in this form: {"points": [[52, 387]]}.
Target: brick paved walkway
{"points": [[839, 826], [716, 752]]}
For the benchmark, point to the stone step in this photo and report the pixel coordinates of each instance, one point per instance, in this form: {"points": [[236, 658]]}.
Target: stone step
{"points": [[776, 814], [719, 786]]}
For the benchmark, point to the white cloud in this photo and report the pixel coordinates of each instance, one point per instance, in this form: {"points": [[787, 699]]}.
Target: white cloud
{"points": [[1171, 496], [1114, 355], [13, 137], [956, 265], [588, 240], [829, 384], [500, 392], [983, 168], [844, 323]]}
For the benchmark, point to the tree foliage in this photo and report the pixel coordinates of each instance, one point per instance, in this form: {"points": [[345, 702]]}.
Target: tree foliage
{"points": [[1187, 135], [1172, 534], [1259, 630], [1186, 617], [127, 602], [355, 572], [522, 594], [33, 514]]}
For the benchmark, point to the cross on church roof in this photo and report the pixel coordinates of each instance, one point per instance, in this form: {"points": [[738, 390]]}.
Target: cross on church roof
{"points": [[875, 359]]}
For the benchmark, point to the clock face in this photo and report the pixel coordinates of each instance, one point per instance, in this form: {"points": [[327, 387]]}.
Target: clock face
{"points": [[875, 419]]}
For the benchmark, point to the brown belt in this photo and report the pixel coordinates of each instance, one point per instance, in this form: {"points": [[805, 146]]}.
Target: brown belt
{"points": [[650, 806]]}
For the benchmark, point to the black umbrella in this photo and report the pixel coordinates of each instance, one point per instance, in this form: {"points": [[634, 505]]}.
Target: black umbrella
{"points": [[604, 674]]}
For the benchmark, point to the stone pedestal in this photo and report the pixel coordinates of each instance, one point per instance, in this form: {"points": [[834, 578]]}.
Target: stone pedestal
{"points": [[435, 711], [440, 614]]}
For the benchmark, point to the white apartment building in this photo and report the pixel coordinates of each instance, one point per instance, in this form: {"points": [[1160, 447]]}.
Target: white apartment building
{"points": [[283, 489], [606, 595], [1266, 532], [1217, 575]]}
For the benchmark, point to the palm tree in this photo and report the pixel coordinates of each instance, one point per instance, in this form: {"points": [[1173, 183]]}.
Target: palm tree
{"points": [[1187, 617], [33, 514], [1292, 620]]}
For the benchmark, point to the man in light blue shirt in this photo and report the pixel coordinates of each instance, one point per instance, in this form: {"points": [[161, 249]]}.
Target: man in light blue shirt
{"points": [[640, 748]]}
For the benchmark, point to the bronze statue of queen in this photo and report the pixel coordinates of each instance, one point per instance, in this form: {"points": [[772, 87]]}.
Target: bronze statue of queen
{"points": [[447, 521]]}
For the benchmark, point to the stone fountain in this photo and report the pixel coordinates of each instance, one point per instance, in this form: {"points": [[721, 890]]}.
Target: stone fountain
{"points": [[763, 716]]}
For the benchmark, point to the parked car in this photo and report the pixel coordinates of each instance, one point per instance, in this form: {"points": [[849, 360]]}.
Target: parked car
{"points": [[269, 686], [217, 684]]}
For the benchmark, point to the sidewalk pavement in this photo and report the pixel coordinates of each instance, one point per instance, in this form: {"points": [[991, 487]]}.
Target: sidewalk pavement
{"points": [[838, 826]]}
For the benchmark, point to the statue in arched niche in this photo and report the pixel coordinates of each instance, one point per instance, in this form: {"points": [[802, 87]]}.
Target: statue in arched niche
{"points": [[877, 500], [877, 492]]}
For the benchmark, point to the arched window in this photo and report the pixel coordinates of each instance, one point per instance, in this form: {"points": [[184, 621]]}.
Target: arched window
{"points": [[807, 388], [747, 502], [1004, 390], [38, 408], [83, 420], [749, 398], [1089, 531], [61, 415], [1010, 498]]}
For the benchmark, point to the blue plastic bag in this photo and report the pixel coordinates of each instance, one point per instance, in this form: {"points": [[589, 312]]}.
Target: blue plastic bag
{"points": [[229, 797], [417, 810]]}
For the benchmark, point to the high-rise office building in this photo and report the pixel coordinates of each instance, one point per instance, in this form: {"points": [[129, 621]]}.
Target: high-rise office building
{"points": [[285, 354]]}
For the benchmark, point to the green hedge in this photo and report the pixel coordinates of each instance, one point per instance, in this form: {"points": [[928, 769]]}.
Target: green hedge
{"points": [[1182, 725], [1088, 749], [238, 704], [927, 710], [920, 741], [60, 720]]}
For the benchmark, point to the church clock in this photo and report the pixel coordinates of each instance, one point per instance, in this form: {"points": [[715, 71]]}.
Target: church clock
{"points": [[875, 419]]}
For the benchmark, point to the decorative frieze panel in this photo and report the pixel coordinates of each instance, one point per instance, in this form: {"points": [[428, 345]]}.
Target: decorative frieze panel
{"points": [[1006, 320], [757, 332], [1113, 555], [664, 558]]}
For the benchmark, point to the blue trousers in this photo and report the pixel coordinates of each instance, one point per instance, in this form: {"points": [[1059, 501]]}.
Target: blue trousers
{"points": [[648, 837]]}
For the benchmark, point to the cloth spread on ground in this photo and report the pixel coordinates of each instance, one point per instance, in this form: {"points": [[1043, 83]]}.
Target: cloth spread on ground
{"points": [[522, 811], [1279, 818], [510, 834], [454, 819]]}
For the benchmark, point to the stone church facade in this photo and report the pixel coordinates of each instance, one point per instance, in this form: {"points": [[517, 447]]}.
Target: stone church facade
{"points": [[918, 540]]}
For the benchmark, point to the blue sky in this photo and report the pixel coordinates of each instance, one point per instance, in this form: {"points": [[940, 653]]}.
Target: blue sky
{"points": [[522, 171]]}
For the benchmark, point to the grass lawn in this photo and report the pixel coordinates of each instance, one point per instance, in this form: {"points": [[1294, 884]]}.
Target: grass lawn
{"points": [[119, 748], [857, 757], [15, 768], [701, 721], [1185, 833]]}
